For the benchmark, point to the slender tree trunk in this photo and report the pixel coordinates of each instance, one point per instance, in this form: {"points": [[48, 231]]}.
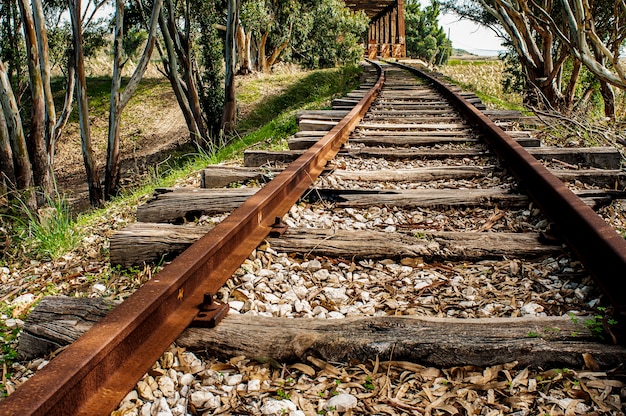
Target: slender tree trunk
{"points": [[11, 117], [276, 54], [571, 85], [44, 62], [609, 99], [111, 178], [119, 100], [70, 82], [261, 53], [7, 168], [36, 140], [93, 181], [186, 62], [243, 46], [230, 104], [171, 65]]}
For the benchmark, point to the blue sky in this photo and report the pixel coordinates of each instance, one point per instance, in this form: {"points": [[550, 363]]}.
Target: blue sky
{"points": [[469, 36]]}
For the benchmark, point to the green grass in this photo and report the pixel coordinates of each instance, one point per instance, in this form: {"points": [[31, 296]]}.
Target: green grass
{"points": [[314, 88], [47, 233]]}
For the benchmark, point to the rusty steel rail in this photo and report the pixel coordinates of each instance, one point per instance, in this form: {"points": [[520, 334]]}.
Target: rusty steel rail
{"points": [[94, 374], [596, 244]]}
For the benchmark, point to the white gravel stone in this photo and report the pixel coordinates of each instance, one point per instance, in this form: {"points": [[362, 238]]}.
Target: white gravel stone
{"points": [[167, 386], [254, 385], [341, 403], [186, 379], [279, 407], [233, 380], [161, 408], [144, 390], [99, 288], [531, 309], [312, 266], [200, 398], [236, 305], [25, 299], [336, 294]]}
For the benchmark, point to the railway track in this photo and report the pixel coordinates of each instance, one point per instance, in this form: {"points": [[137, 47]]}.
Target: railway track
{"points": [[414, 229]]}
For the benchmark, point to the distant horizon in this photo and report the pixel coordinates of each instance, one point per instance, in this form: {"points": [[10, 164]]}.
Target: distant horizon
{"points": [[469, 36]]}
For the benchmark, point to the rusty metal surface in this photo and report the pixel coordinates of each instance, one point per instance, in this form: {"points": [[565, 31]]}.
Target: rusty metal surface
{"points": [[94, 374], [596, 244]]}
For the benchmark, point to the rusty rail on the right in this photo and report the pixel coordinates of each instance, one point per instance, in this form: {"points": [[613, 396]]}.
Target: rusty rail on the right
{"points": [[596, 244]]}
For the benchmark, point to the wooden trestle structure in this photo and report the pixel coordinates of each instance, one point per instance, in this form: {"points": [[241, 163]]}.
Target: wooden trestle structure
{"points": [[386, 34]]}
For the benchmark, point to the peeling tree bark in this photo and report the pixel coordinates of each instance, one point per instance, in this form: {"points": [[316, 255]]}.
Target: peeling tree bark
{"points": [[93, 181], [36, 144], [17, 139], [119, 100]]}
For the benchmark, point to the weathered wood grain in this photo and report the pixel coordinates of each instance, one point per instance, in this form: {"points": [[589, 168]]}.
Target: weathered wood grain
{"points": [[184, 204], [141, 242], [151, 242], [58, 321], [181, 204], [218, 176], [445, 342], [536, 342], [591, 157]]}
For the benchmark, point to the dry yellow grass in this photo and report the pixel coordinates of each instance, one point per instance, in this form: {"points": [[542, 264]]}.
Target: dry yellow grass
{"points": [[483, 77]]}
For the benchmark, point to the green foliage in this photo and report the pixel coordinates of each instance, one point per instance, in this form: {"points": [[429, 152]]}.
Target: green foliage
{"points": [[329, 34], [211, 51], [425, 39], [48, 232], [282, 394], [315, 87], [596, 324]]}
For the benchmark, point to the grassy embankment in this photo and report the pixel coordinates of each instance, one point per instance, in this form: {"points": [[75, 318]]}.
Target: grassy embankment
{"points": [[484, 77], [270, 103]]}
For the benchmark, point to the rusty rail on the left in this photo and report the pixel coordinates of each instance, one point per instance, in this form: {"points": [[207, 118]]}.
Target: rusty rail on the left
{"points": [[94, 374]]}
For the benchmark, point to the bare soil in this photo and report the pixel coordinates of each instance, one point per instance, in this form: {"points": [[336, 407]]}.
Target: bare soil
{"points": [[152, 128]]}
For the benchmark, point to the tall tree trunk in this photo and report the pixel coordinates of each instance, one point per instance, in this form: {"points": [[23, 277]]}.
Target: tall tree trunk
{"points": [[190, 78], [571, 85], [608, 96], [36, 141], [243, 48], [70, 82], [272, 60], [17, 139], [7, 168], [44, 62], [230, 104], [111, 175], [93, 181], [262, 59], [171, 68], [119, 100]]}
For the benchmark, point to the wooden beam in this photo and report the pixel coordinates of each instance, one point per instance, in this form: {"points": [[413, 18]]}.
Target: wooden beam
{"points": [[442, 342]]}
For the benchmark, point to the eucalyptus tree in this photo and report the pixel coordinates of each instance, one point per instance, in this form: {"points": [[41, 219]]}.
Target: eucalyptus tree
{"points": [[230, 57], [26, 86], [547, 34], [120, 99]]}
